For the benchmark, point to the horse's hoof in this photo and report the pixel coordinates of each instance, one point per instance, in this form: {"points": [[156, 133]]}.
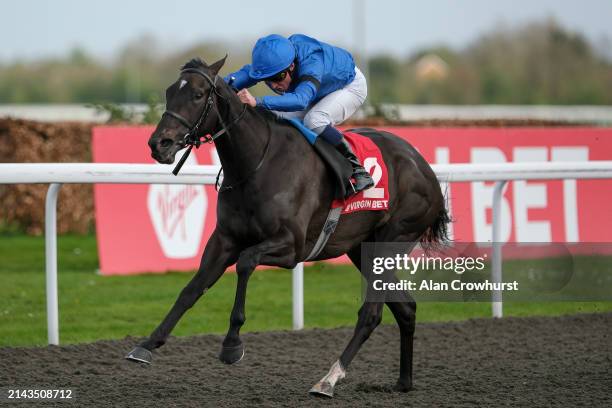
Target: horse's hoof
{"points": [[402, 387], [322, 389], [140, 354], [232, 355]]}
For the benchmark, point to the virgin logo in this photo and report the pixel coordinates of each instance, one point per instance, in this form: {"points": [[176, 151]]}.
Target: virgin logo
{"points": [[172, 206], [178, 214]]}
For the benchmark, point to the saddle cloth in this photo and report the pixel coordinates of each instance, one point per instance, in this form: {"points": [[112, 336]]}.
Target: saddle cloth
{"points": [[375, 198], [370, 156]]}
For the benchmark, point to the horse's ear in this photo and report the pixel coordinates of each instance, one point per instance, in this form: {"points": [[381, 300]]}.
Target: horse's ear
{"points": [[216, 67]]}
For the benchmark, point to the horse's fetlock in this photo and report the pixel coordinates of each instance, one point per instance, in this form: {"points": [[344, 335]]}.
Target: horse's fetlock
{"points": [[152, 344], [237, 319]]}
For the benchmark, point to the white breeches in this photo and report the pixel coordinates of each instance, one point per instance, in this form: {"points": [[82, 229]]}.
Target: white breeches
{"points": [[334, 108]]}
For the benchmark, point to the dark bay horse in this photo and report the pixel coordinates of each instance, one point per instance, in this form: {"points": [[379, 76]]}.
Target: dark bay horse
{"points": [[273, 202]]}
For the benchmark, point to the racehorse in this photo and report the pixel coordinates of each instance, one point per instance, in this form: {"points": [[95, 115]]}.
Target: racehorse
{"points": [[273, 203]]}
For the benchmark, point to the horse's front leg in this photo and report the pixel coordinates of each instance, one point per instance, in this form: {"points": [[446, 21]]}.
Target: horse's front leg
{"points": [[218, 255], [276, 251]]}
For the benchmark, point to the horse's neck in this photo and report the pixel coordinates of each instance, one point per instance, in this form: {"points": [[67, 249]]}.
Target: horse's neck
{"points": [[242, 147]]}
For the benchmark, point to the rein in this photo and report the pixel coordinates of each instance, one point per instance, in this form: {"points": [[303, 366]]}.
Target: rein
{"points": [[191, 138]]}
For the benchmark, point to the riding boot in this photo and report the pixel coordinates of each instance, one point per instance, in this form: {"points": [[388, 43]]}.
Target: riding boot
{"points": [[363, 179]]}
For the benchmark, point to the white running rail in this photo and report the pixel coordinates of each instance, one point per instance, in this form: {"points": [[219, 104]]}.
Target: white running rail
{"points": [[93, 173]]}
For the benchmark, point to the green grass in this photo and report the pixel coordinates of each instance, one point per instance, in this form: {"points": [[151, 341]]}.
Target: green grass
{"points": [[94, 307]]}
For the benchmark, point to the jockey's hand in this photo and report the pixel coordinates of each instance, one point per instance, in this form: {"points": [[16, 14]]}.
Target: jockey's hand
{"points": [[246, 97]]}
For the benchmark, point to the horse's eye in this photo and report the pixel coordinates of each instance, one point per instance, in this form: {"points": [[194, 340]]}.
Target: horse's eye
{"points": [[199, 95]]}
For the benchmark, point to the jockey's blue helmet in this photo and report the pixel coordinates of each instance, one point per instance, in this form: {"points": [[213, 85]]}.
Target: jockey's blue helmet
{"points": [[271, 55]]}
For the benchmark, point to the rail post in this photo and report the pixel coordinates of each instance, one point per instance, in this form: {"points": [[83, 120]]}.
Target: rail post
{"points": [[297, 278], [496, 266], [51, 263]]}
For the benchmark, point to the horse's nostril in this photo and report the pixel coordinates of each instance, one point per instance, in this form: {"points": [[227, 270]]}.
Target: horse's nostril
{"points": [[165, 143]]}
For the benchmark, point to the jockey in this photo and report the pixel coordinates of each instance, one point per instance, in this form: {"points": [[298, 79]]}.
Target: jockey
{"points": [[316, 82]]}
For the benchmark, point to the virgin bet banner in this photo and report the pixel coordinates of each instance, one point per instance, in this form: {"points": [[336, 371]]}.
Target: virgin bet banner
{"points": [[156, 228], [149, 228]]}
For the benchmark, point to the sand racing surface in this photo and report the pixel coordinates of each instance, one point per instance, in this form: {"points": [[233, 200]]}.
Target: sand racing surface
{"points": [[560, 361]]}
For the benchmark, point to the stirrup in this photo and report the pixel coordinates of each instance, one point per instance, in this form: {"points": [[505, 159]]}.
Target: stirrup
{"points": [[354, 189]]}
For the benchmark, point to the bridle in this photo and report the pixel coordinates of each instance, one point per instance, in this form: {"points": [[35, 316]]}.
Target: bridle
{"points": [[192, 137]]}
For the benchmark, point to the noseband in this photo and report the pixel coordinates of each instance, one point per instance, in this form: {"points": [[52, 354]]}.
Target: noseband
{"points": [[192, 137]]}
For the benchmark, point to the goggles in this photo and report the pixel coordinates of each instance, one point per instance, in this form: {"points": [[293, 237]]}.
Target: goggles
{"points": [[277, 77]]}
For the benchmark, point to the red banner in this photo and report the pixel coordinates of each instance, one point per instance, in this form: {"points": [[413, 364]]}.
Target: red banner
{"points": [[142, 228]]}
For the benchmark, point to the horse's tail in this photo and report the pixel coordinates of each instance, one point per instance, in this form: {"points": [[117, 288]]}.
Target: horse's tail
{"points": [[436, 235]]}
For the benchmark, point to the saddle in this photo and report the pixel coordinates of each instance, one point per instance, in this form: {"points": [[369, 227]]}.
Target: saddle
{"points": [[340, 170]]}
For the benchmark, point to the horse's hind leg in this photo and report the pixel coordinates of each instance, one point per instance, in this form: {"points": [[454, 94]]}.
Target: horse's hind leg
{"points": [[370, 316], [405, 315], [402, 305]]}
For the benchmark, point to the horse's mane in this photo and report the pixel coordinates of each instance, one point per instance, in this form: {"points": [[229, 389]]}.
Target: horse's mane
{"points": [[270, 116], [194, 63]]}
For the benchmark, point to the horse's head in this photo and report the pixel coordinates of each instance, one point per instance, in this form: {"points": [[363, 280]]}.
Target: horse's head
{"points": [[189, 110]]}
